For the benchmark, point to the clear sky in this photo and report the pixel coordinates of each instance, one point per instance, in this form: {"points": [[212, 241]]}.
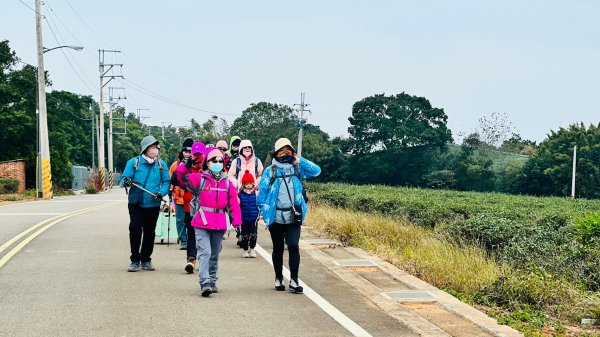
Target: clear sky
{"points": [[538, 61]]}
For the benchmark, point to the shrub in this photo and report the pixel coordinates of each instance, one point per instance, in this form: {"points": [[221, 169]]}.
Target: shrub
{"points": [[91, 189], [8, 186]]}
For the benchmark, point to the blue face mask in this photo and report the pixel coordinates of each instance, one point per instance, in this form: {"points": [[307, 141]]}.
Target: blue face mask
{"points": [[216, 167], [285, 159]]}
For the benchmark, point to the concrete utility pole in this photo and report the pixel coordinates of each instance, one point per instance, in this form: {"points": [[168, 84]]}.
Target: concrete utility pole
{"points": [[44, 172], [574, 172], [301, 121], [104, 69], [112, 101]]}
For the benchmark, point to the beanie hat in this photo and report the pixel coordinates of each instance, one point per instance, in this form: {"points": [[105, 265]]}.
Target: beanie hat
{"points": [[187, 144], [222, 144], [211, 152], [247, 178]]}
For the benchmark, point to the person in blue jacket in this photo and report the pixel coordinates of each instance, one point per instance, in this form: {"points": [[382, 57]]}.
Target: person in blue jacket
{"points": [[152, 174], [283, 207]]}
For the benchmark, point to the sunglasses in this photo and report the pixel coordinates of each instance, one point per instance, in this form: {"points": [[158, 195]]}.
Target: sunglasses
{"points": [[215, 160]]}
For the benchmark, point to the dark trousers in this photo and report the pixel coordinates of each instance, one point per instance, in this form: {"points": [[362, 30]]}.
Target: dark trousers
{"points": [[142, 223], [281, 234], [191, 236], [249, 234]]}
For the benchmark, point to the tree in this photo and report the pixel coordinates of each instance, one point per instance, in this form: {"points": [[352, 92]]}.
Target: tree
{"points": [[549, 171], [263, 123], [517, 145], [397, 122], [494, 129]]}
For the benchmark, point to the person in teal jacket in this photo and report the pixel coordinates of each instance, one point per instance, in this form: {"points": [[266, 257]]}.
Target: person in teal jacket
{"points": [[282, 204], [151, 173]]}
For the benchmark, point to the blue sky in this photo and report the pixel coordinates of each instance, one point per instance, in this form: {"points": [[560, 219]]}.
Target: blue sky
{"points": [[537, 61]]}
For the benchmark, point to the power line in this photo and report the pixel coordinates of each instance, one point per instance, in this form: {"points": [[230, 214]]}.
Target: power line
{"points": [[68, 30], [141, 89], [86, 24], [69, 61], [51, 21], [26, 5]]}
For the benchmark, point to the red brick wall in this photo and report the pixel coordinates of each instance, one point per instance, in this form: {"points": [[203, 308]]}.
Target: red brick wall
{"points": [[14, 169]]}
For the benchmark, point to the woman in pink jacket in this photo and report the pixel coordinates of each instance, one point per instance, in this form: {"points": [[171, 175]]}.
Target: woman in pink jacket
{"points": [[215, 201]]}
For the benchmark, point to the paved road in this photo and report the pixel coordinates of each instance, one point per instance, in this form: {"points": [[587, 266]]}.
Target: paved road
{"points": [[68, 278], [63, 273]]}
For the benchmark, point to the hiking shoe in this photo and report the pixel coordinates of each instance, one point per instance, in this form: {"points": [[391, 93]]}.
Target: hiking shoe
{"points": [[147, 266], [133, 267], [252, 253], [206, 290], [295, 287], [246, 254], [191, 262], [279, 286], [214, 288]]}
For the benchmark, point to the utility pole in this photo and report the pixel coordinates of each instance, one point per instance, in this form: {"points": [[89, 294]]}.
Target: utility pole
{"points": [[163, 129], [139, 114], [301, 121], [104, 69], [44, 171], [112, 101], [574, 171], [93, 136]]}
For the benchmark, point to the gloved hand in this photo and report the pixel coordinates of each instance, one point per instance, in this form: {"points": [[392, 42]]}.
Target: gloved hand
{"points": [[157, 196], [189, 162], [128, 181]]}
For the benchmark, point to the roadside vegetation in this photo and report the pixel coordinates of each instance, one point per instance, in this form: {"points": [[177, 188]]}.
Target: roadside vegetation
{"points": [[529, 262]]}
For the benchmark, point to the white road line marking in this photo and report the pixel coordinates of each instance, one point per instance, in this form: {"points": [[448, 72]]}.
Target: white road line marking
{"points": [[54, 220], [322, 303], [22, 214]]}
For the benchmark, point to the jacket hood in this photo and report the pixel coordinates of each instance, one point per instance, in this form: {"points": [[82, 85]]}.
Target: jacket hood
{"points": [[233, 138], [246, 142]]}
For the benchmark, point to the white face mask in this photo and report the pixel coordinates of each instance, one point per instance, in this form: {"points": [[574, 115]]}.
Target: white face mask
{"points": [[247, 153], [152, 153]]}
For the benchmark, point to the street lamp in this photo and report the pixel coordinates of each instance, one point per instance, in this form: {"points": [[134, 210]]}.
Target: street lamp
{"points": [[70, 47], [43, 174]]}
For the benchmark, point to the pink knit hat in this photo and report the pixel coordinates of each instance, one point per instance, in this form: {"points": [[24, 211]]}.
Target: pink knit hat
{"points": [[213, 152], [222, 144]]}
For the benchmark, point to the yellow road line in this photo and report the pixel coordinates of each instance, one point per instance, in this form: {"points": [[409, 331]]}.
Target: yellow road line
{"points": [[50, 222]]}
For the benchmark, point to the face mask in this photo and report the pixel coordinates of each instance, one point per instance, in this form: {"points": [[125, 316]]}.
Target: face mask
{"points": [[216, 167], [235, 149], [152, 153], [285, 159], [247, 153]]}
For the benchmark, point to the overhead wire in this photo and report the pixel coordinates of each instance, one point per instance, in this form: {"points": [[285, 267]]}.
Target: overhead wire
{"points": [[145, 91], [86, 24], [50, 22], [26, 5]]}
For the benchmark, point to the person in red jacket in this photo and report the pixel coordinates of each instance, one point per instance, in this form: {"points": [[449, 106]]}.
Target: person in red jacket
{"points": [[177, 194]]}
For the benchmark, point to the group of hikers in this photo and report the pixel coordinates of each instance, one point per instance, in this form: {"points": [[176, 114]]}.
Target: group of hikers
{"points": [[215, 188]]}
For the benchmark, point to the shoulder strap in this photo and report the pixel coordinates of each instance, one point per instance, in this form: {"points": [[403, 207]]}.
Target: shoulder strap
{"points": [[238, 167], [256, 160], [273, 175]]}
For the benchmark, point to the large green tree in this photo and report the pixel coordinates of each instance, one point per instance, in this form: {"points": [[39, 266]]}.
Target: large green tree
{"points": [[549, 171], [401, 121]]}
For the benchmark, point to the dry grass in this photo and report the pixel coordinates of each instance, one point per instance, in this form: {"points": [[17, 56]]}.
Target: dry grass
{"points": [[414, 249]]}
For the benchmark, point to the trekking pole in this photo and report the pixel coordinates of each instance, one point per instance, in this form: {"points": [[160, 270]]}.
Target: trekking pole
{"points": [[143, 189], [168, 220]]}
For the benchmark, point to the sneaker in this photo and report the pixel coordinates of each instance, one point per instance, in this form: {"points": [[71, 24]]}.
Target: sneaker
{"points": [[246, 254], [279, 286], [191, 262], [206, 290], [183, 246], [147, 266], [133, 267], [214, 288], [295, 287], [252, 253]]}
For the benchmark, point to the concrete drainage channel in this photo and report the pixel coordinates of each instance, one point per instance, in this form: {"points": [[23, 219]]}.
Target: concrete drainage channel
{"points": [[415, 303]]}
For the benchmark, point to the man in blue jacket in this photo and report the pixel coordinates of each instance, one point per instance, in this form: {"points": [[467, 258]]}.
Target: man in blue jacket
{"points": [[151, 173]]}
